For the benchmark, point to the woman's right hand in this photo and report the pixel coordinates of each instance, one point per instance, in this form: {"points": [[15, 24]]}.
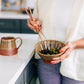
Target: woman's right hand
{"points": [[34, 24]]}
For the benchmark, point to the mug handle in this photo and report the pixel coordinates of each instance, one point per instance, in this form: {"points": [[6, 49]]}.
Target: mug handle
{"points": [[20, 43]]}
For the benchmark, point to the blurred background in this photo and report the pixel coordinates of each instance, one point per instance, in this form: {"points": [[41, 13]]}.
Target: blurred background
{"points": [[13, 18]]}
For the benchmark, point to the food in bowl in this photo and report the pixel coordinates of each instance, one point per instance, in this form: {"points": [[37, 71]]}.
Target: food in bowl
{"points": [[50, 52]]}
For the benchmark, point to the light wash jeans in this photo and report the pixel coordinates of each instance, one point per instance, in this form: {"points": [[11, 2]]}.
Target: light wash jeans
{"points": [[49, 74]]}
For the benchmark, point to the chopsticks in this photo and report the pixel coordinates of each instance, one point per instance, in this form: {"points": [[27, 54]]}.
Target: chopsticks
{"points": [[28, 13], [31, 17]]}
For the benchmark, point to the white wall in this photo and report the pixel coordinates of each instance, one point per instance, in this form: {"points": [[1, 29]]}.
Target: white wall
{"points": [[0, 5], [30, 3]]}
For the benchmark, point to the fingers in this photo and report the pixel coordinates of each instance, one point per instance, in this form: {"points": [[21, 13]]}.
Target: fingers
{"points": [[68, 45], [39, 22], [55, 62], [34, 19], [64, 56], [67, 50], [64, 48], [34, 24], [30, 25]]}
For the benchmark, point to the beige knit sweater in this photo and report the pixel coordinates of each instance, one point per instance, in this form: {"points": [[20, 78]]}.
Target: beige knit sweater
{"points": [[73, 66]]}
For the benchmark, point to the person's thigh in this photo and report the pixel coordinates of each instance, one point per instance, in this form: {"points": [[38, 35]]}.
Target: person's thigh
{"points": [[48, 73], [66, 80]]}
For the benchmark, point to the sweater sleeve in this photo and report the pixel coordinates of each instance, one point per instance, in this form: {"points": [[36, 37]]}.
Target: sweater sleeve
{"points": [[75, 29], [36, 13]]}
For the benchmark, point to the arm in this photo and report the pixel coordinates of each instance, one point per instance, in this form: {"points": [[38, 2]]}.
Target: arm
{"points": [[79, 43], [67, 50]]}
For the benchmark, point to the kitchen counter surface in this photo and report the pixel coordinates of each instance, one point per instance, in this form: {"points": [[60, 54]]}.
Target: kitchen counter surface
{"points": [[12, 66], [13, 15]]}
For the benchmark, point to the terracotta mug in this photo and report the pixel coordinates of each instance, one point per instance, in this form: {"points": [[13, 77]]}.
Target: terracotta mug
{"points": [[8, 46]]}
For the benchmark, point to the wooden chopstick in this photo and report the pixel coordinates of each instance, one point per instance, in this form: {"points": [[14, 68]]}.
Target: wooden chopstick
{"points": [[40, 37], [30, 11], [43, 34], [27, 13]]}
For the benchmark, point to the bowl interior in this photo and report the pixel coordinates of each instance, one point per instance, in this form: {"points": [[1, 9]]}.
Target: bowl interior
{"points": [[48, 44]]}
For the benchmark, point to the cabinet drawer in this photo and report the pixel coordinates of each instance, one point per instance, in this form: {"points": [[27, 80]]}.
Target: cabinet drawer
{"points": [[25, 28], [10, 26]]}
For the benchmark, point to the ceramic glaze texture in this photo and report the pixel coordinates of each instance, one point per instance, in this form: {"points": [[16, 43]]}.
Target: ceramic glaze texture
{"points": [[8, 43], [8, 46]]}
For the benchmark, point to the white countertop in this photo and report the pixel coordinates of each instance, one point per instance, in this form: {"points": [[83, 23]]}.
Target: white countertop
{"points": [[13, 15], [12, 66]]}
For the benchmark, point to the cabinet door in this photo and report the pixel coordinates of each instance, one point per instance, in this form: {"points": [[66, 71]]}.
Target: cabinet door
{"points": [[9, 26], [25, 28], [20, 80], [29, 72], [33, 81]]}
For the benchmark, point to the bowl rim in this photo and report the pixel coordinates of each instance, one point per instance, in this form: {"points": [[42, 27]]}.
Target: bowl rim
{"points": [[49, 55]]}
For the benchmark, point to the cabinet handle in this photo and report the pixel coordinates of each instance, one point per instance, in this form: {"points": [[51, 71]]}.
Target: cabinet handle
{"points": [[1, 23], [25, 83]]}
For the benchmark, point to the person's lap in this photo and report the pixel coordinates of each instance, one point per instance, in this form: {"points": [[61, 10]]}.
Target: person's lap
{"points": [[66, 80], [49, 74]]}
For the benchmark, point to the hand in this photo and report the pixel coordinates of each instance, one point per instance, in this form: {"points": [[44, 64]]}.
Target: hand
{"points": [[67, 50], [34, 24]]}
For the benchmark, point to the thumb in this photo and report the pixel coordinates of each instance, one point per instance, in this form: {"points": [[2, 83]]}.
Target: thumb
{"points": [[33, 19], [64, 48]]}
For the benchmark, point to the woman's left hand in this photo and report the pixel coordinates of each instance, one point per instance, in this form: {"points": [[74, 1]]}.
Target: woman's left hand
{"points": [[67, 50]]}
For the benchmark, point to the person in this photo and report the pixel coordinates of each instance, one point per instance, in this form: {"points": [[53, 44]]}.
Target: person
{"points": [[61, 20]]}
